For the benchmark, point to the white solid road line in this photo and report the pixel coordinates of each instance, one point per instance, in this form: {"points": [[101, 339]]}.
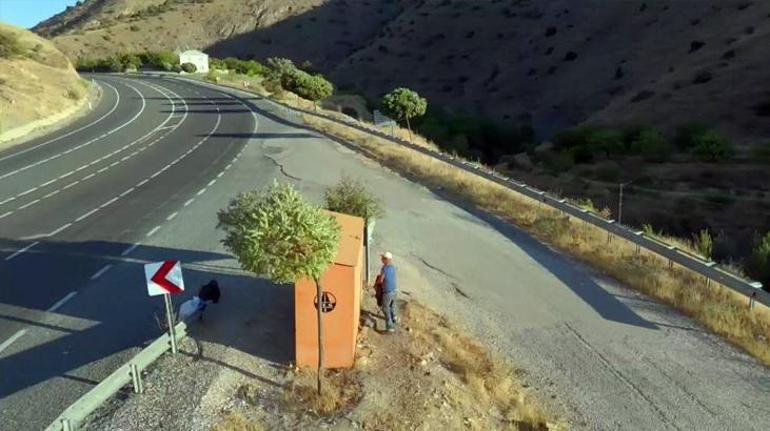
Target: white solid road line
{"points": [[13, 338], [26, 150], [101, 272], [61, 302], [22, 251], [77, 147]]}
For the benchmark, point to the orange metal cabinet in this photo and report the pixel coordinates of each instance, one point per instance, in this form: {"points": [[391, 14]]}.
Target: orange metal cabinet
{"points": [[342, 284]]}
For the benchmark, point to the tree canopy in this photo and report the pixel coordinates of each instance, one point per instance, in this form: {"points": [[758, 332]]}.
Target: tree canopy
{"points": [[276, 233], [404, 104]]}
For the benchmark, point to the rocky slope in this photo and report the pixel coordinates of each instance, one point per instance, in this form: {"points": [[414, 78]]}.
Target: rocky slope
{"points": [[555, 63], [37, 83]]}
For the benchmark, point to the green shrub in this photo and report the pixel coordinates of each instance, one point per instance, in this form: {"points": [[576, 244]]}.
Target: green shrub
{"points": [[189, 68], [606, 141], [311, 87], [349, 196], [72, 94], [703, 243], [761, 152], [758, 264], [713, 147], [686, 136], [652, 145], [134, 28]]}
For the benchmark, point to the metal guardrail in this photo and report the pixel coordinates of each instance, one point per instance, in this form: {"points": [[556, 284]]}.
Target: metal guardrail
{"points": [[130, 372], [710, 270]]}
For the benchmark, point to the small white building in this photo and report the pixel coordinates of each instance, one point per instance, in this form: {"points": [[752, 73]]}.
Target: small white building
{"points": [[198, 58]]}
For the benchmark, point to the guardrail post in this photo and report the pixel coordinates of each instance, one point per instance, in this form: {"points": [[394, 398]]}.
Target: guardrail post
{"points": [[638, 249], [752, 300], [170, 319], [66, 425], [136, 376], [609, 237], [708, 282]]}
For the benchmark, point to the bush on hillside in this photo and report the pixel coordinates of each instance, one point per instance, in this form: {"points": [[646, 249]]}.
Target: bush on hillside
{"points": [[189, 68], [311, 87], [9, 45], [279, 68], [758, 264], [244, 67], [761, 152], [686, 135], [713, 147], [652, 145]]}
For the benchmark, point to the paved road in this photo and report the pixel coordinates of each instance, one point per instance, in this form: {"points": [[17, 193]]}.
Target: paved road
{"points": [[144, 183]]}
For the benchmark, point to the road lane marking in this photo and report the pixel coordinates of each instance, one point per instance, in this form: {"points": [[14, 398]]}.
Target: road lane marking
{"points": [[77, 147], [103, 157], [22, 251], [211, 183], [86, 215], [61, 302], [189, 201], [28, 204], [101, 272], [171, 217], [153, 231], [13, 338], [60, 230], [196, 146], [130, 249], [201, 191], [114, 107], [109, 202]]}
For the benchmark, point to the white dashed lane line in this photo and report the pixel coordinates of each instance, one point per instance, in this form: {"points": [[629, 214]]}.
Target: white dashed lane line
{"points": [[88, 177], [114, 107], [101, 272], [61, 302], [153, 231], [84, 144], [22, 251]]}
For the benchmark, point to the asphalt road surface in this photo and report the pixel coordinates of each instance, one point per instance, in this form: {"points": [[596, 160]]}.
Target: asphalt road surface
{"points": [[140, 179]]}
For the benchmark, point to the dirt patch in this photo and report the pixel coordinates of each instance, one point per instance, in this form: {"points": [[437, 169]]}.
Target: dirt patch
{"points": [[426, 376]]}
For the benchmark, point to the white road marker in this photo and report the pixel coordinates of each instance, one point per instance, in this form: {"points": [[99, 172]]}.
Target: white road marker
{"points": [[11, 340], [109, 202], [153, 231], [86, 215], [28, 204], [22, 251], [61, 302], [60, 230], [171, 216], [130, 249], [189, 201], [101, 272], [211, 183]]}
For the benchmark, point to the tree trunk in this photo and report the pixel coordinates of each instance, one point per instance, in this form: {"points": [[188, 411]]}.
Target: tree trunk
{"points": [[319, 293], [409, 127]]}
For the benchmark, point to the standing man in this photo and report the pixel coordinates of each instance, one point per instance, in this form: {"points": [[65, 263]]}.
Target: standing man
{"points": [[388, 277]]}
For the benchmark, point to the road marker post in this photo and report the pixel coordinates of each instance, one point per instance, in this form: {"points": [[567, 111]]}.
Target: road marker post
{"points": [[136, 378], [165, 278]]}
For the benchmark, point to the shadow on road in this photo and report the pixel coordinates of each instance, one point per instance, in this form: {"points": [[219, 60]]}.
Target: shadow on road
{"points": [[111, 317]]}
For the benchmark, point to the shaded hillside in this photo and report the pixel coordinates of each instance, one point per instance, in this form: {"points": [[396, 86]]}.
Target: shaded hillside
{"points": [[37, 82], [556, 63]]}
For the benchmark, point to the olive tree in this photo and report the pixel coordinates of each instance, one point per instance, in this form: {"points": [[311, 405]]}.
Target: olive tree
{"points": [[311, 87], [277, 234], [404, 104]]}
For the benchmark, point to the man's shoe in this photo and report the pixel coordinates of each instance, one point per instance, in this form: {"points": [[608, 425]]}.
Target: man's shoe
{"points": [[395, 319], [391, 329]]}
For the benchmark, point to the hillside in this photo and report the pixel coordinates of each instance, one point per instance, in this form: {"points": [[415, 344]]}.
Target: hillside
{"points": [[38, 84], [555, 63]]}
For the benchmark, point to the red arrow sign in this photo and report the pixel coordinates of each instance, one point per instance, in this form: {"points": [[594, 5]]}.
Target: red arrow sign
{"points": [[160, 277]]}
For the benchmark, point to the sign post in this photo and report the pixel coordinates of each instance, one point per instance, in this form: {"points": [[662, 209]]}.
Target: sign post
{"points": [[165, 278]]}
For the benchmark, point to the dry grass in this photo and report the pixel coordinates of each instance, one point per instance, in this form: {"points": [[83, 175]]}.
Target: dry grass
{"points": [[716, 307], [237, 422], [427, 376]]}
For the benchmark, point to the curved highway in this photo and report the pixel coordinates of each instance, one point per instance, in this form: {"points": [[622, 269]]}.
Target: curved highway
{"points": [[140, 179]]}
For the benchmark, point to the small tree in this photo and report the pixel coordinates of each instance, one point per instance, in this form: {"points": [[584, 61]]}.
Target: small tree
{"points": [[713, 147], [404, 104], [280, 67], [276, 233], [349, 196], [189, 68]]}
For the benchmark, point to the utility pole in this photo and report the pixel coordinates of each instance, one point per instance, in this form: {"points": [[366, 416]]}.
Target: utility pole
{"points": [[620, 201]]}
